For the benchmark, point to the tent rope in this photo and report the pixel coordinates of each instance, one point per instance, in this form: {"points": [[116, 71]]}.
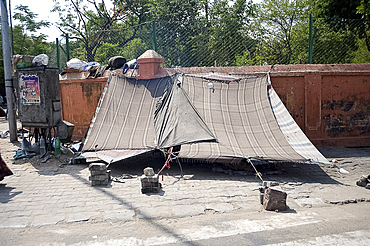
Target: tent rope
{"points": [[258, 174], [255, 169], [170, 157]]}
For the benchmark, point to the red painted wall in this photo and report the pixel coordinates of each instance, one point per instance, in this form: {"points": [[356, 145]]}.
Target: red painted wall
{"points": [[79, 100]]}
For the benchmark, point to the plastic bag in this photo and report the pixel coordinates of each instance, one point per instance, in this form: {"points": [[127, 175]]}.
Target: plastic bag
{"points": [[129, 65], [40, 60], [75, 63], [87, 66]]}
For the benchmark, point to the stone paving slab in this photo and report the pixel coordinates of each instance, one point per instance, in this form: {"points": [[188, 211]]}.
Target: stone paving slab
{"points": [[181, 211], [121, 215]]}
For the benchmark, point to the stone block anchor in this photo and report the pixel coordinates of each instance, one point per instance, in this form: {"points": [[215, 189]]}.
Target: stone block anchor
{"points": [[99, 175], [149, 181]]}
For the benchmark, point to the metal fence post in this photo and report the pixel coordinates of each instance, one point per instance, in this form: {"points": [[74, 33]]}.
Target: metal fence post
{"points": [[310, 41], [67, 47], [154, 37], [58, 56]]}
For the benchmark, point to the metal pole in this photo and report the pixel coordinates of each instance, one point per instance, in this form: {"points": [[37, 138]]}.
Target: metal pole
{"points": [[11, 28], [154, 37], [58, 56], [67, 47], [310, 41], [5, 32]]}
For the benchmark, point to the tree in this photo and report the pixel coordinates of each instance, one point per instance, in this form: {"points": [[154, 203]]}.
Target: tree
{"points": [[202, 33], [230, 32], [26, 39], [88, 20], [278, 20], [177, 23], [364, 10]]}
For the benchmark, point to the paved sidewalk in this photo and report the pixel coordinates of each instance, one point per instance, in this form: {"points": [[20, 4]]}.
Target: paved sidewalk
{"points": [[46, 193]]}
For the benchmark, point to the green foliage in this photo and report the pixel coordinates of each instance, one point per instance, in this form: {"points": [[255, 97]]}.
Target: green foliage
{"points": [[87, 21], [362, 54], [27, 19], [218, 33], [279, 20], [26, 40]]}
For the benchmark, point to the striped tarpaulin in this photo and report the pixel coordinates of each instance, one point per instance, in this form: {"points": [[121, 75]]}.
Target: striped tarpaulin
{"points": [[292, 132], [124, 118], [111, 156], [235, 110], [239, 114]]}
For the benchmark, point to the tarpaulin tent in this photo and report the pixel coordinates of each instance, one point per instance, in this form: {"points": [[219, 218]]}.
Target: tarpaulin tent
{"points": [[214, 117]]}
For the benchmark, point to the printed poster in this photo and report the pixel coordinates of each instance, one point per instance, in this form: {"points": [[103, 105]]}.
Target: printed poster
{"points": [[30, 93]]}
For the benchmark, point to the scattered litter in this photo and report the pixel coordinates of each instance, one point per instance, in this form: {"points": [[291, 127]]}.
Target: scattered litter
{"points": [[87, 66], [334, 161], [19, 154], [122, 177], [129, 65], [21, 130], [46, 158], [76, 147], [5, 134], [118, 180], [342, 170]]}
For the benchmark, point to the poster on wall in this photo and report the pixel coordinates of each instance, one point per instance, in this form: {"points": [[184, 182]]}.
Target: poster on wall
{"points": [[30, 90]]}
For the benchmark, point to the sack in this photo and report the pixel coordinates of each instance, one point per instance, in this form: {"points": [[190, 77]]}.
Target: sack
{"points": [[116, 62]]}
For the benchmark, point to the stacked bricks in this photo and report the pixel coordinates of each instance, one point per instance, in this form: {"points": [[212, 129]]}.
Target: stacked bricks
{"points": [[100, 176], [149, 181]]}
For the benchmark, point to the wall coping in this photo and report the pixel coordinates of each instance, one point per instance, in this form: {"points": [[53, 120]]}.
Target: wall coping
{"points": [[277, 70]]}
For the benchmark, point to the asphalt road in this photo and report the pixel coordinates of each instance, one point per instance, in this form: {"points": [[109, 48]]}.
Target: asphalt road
{"points": [[336, 225]]}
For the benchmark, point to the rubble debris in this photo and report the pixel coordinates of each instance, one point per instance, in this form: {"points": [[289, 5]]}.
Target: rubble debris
{"points": [[274, 199], [363, 181], [348, 201], [270, 183], [99, 175], [149, 181], [121, 178]]}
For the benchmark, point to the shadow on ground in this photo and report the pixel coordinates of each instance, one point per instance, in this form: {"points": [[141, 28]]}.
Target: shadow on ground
{"points": [[7, 194], [282, 172]]}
